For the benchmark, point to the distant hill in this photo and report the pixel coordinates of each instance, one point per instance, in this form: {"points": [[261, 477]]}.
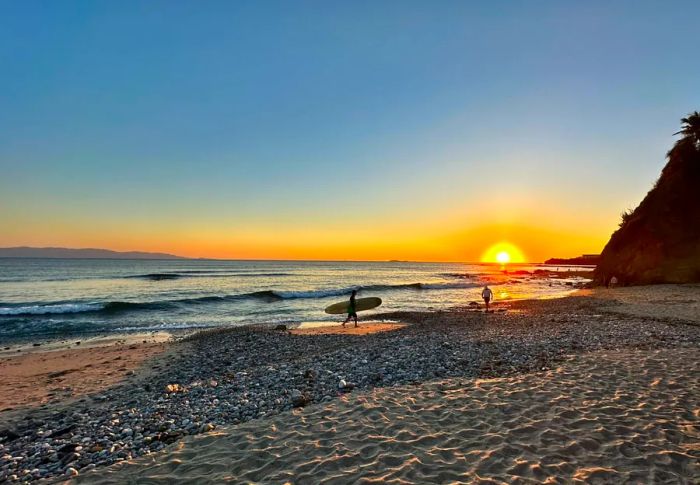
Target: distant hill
{"points": [[659, 241], [88, 253], [586, 259]]}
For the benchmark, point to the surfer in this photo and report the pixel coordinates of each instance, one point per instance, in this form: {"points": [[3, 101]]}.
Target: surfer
{"points": [[487, 295], [352, 309]]}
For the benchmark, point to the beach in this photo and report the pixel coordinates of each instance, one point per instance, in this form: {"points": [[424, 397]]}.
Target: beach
{"points": [[606, 417], [559, 390]]}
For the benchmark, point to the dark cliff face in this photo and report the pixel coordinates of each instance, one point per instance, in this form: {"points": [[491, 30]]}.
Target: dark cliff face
{"points": [[659, 242]]}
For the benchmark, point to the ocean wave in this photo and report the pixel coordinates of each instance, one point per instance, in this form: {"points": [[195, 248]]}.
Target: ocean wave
{"points": [[112, 307], [55, 308], [204, 274], [462, 276]]}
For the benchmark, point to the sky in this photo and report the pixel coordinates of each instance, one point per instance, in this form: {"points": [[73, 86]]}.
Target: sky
{"points": [[337, 130]]}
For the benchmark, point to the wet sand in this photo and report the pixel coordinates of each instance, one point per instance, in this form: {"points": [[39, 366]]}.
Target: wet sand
{"points": [[603, 417], [364, 328], [34, 375]]}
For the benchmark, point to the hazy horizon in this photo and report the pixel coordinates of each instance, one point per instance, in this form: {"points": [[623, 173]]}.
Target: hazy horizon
{"points": [[337, 132], [249, 259]]}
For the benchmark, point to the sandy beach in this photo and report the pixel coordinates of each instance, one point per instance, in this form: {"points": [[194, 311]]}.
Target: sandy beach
{"points": [[349, 329], [666, 302], [604, 417], [573, 389], [59, 371]]}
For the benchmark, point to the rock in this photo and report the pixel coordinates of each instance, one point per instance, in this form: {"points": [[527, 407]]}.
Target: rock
{"points": [[8, 435], [342, 384], [206, 427], [173, 388], [72, 472], [281, 327], [69, 458], [300, 400], [62, 431]]}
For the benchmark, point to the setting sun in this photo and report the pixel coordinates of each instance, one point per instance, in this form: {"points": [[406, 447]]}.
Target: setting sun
{"points": [[503, 253], [503, 257]]}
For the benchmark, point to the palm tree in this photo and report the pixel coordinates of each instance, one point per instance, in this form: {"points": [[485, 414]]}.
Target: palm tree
{"points": [[691, 129]]}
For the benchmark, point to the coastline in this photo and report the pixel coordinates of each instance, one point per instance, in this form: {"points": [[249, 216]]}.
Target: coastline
{"points": [[222, 378]]}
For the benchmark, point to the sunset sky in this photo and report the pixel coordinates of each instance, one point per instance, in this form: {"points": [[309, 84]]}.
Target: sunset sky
{"points": [[337, 130]]}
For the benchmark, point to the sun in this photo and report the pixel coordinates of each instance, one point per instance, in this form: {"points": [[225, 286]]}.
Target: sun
{"points": [[503, 253], [503, 257]]}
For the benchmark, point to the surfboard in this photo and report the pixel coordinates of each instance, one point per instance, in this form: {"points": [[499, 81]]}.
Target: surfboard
{"points": [[361, 304]]}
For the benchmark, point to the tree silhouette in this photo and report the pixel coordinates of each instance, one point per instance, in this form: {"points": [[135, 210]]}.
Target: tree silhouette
{"points": [[690, 129]]}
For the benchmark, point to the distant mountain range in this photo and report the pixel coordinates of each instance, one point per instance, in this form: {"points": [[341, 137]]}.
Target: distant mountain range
{"points": [[88, 253]]}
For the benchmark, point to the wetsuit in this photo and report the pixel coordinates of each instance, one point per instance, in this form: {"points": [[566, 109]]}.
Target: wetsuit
{"points": [[352, 310]]}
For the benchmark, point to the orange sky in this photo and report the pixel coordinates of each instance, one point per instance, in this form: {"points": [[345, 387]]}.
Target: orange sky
{"points": [[440, 240]]}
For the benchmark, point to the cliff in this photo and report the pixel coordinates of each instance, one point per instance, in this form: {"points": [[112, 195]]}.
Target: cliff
{"points": [[659, 242]]}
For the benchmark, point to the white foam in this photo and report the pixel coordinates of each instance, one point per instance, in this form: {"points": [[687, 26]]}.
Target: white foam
{"points": [[56, 308]]}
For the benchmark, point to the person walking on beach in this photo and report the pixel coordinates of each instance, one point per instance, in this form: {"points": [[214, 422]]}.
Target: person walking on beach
{"points": [[487, 295], [352, 309]]}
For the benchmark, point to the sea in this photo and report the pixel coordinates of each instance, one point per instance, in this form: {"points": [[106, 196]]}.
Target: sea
{"points": [[44, 299]]}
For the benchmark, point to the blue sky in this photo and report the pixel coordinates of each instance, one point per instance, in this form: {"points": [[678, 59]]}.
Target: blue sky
{"points": [[264, 116]]}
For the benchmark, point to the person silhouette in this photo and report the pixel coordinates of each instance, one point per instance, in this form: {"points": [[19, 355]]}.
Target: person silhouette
{"points": [[487, 295], [352, 309]]}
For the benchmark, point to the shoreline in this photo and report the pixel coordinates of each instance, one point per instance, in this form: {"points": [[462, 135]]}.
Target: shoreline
{"points": [[225, 377], [569, 282], [47, 342]]}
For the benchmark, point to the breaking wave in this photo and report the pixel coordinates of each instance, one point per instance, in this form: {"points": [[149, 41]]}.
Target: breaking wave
{"points": [[57, 308]]}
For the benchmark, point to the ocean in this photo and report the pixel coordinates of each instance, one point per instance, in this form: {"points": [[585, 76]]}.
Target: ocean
{"points": [[56, 298]]}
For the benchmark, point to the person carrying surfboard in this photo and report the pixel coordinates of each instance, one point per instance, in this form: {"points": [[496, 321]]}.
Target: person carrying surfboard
{"points": [[487, 295], [352, 309]]}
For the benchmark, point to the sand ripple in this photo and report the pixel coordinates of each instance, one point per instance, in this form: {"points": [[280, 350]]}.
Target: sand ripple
{"points": [[613, 417]]}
